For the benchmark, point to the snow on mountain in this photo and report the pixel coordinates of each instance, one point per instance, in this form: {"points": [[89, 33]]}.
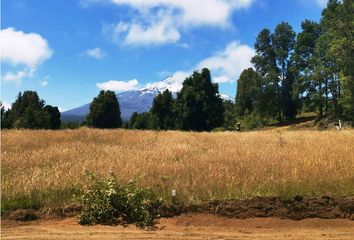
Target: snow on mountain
{"points": [[226, 97], [173, 83], [135, 100]]}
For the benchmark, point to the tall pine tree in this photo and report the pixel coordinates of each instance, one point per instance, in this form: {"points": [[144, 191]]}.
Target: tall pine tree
{"points": [[104, 111], [198, 105], [162, 110]]}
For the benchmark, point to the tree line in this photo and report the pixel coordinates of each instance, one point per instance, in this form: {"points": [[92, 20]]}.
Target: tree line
{"points": [[312, 71], [198, 107], [29, 111]]}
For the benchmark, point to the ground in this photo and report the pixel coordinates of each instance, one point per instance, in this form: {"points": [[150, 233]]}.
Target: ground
{"points": [[191, 226], [43, 169]]}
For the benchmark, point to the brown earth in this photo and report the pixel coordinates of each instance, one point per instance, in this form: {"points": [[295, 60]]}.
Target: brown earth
{"points": [[190, 226], [297, 208], [257, 218]]}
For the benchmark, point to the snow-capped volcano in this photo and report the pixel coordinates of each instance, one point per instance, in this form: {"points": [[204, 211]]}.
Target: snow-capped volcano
{"points": [[135, 100], [226, 97], [171, 83]]}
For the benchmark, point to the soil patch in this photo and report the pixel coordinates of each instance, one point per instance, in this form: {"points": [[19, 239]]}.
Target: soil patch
{"points": [[297, 208]]}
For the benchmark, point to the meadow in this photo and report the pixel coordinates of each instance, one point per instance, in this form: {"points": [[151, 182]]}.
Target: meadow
{"points": [[42, 168]]}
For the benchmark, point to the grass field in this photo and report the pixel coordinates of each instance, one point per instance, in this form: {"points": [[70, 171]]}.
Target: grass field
{"points": [[44, 168]]}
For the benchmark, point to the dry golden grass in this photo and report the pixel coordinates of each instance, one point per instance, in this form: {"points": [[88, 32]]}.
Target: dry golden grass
{"points": [[200, 166]]}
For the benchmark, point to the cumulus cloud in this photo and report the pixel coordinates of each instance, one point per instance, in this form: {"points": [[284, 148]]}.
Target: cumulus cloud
{"points": [[23, 49], [114, 85], [225, 66], [161, 21], [228, 64], [95, 53], [18, 76], [157, 33], [18, 47]]}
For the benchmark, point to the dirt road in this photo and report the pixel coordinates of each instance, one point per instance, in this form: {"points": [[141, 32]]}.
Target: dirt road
{"points": [[199, 226]]}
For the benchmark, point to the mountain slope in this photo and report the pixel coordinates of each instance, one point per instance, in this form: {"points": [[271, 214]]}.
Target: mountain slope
{"points": [[130, 101]]}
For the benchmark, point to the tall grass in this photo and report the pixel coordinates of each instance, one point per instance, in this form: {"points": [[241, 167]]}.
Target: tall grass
{"points": [[44, 168]]}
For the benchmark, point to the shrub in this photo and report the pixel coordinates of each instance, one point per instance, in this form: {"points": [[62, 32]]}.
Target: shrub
{"points": [[107, 201], [254, 121]]}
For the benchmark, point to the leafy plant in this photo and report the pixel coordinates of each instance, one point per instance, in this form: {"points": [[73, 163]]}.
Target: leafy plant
{"points": [[107, 201]]}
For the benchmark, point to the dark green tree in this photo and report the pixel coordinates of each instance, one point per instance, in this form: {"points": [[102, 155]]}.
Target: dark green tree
{"points": [[5, 118], [283, 40], [132, 120], [249, 93], [162, 110], [307, 82], [338, 23], [266, 66], [27, 100], [28, 111], [54, 116], [143, 121], [198, 105], [104, 111], [229, 115], [33, 119]]}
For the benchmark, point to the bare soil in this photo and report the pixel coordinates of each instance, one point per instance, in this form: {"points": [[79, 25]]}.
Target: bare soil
{"points": [[297, 208], [186, 226], [257, 218]]}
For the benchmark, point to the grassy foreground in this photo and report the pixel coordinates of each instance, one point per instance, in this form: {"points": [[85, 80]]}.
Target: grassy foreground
{"points": [[44, 168]]}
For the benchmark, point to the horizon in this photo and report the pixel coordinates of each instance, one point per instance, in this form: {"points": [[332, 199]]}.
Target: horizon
{"points": [[124, 45]]}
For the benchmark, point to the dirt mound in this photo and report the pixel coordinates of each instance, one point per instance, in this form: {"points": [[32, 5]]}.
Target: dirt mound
{"points": [[297, 208]]}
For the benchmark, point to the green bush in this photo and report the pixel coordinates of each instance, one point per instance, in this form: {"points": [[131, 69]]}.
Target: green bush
{"points": [[254, 121], [107, 201]]}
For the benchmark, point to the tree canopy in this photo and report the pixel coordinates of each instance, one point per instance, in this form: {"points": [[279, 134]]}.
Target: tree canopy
{"points": [[198, 105], [29, 111], [104, 111]]}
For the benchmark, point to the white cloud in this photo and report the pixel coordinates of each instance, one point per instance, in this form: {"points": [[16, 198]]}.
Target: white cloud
{"points": [[222, 79], [19, 75], [228, 64], [161, 21], [5, 104], [225, 66], [43, 83], [18, 47], [24, 49], [95, 53], [158, 33], [196, 12], [114, 85]]}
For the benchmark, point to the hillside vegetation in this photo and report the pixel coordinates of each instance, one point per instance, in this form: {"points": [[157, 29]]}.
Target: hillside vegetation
{"points": [[44, 168]]}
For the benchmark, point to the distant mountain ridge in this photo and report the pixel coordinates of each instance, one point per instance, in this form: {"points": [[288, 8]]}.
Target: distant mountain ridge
{"points": [[131, 101]]}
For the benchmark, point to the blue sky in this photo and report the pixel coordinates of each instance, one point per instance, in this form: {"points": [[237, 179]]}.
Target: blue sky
{"points": [[68, 50]]}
